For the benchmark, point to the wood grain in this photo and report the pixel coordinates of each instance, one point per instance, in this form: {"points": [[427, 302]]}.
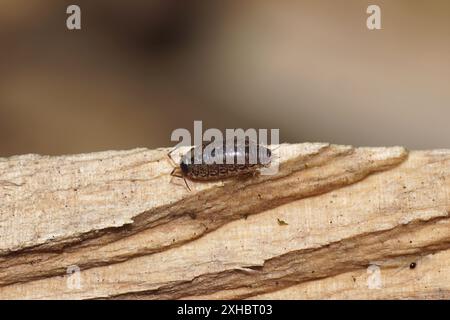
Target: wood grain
{"points": [[334, 222]]}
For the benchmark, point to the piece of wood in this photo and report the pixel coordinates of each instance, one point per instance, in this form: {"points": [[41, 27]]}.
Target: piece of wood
{"points": [[334, 222]]}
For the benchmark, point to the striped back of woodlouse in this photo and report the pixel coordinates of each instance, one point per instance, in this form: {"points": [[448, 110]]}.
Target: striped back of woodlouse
{"points": [[246, 158]]}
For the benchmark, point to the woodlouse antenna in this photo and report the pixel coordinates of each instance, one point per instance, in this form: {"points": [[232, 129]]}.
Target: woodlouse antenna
{"points": [[175, 170], [169, 155]]}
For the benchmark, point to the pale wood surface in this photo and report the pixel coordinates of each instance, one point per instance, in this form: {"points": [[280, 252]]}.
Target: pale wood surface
{"points": [[335, 222]]}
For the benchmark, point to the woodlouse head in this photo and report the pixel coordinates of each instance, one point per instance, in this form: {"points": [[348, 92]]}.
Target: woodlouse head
{"points": [[184, 168]]}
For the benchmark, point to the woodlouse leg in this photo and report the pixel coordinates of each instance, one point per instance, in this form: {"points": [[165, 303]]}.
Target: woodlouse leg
{"points": [[187, 185], [176, 169], [248, 175], [174, 173]]}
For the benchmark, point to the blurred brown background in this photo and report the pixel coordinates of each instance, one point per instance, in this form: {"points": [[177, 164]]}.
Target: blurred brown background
{"points": [[139, 69]]}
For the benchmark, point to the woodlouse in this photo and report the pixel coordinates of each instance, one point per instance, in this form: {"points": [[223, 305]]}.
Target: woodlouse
{"points": [[247, 158]]}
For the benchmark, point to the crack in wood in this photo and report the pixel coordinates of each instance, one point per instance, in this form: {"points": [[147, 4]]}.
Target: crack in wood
{"points": [[127, 228], [301, 266]]}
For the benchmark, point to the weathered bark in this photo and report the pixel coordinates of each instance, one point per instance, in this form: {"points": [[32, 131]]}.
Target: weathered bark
{"points": [[335, 222]]}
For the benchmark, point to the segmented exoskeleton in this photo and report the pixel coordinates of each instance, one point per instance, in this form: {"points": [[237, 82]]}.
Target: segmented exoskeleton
{"points": [[240, 158]]}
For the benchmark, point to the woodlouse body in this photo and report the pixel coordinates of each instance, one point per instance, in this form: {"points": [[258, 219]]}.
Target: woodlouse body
{"points": [[238, 159]]}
